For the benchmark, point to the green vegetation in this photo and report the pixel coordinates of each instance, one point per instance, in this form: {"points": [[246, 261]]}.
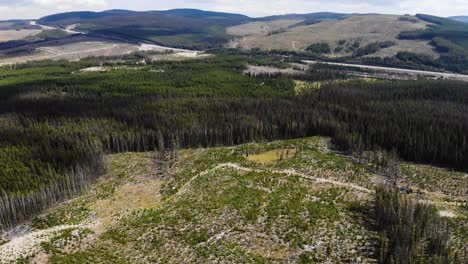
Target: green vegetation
{"points": [[215, 205], [49, 34], [56, 126], [446, 34], [373, 48], [412, 232], [412, 60], [225, 214], [445, 181], [258, 213], [197, 29], [449, 37], [199, 161], [319, 48], [177, 28], [463, 19]]}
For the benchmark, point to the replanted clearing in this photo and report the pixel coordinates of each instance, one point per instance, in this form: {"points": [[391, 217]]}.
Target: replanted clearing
{"points": [[223, 205], [262, 27], [346, 36], [245, 210], [130, 185]]}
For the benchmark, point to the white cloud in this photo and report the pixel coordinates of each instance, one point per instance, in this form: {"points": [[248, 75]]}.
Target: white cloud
{"points": [[30, 9], [436, 7], [268, 7], [71, 4]]}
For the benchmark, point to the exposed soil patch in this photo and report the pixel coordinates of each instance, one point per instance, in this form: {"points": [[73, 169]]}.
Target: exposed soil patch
{"points": [[273, 155]]}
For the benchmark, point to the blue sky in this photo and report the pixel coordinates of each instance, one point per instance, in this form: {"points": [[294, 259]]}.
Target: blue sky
{"points": [[10, 9]]}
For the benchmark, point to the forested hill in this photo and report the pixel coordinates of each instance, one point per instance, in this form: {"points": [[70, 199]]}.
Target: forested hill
{"points": [[56, 122], [180, 27], [422, 41], [66, 18], [311, 17], [463, 19], [188, 28]]}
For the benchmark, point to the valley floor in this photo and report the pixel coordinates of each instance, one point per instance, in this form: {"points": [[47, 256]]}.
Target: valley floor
{"points": [[285, 201]]}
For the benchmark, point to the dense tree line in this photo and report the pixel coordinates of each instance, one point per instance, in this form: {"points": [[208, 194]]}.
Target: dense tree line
{"points": [[319, 48], [43, 163], [451, 62], [424, 121], [412, 232], [372, 48], [175, 28], [57, 123]]}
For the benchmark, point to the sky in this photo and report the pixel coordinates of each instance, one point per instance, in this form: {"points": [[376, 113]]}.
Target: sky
{"points": [[31, 9]]}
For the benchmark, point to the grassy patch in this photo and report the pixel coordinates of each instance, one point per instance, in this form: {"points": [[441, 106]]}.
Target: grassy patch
{"points": [[303, 87], [96, 255], [435, 179], [272, 156], [66, 237], [70, 213]]}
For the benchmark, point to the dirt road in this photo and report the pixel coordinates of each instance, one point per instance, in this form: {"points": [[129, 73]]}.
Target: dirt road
{"points": [[184, 189], [34, 23], [68, 29]]}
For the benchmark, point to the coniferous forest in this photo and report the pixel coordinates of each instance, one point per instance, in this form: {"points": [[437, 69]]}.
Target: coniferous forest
{"points": [[58, 123], [412, 232]]}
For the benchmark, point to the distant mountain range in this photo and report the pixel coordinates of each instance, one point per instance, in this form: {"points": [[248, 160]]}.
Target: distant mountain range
{"points": [[330, 34], [198, 29], [463, 19], [187, 28]]}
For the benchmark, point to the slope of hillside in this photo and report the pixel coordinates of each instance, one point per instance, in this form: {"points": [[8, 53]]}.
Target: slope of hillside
{"points": [[17, 29], [187, 28], [262, 27], [447, 35], [63, 19], [17, 25], [276, 24], [421, 41], [211, 205], [311, 16], [14, 34], [225, 18], [346, 36], [463, 19], [284, 201], [183, 28]]}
